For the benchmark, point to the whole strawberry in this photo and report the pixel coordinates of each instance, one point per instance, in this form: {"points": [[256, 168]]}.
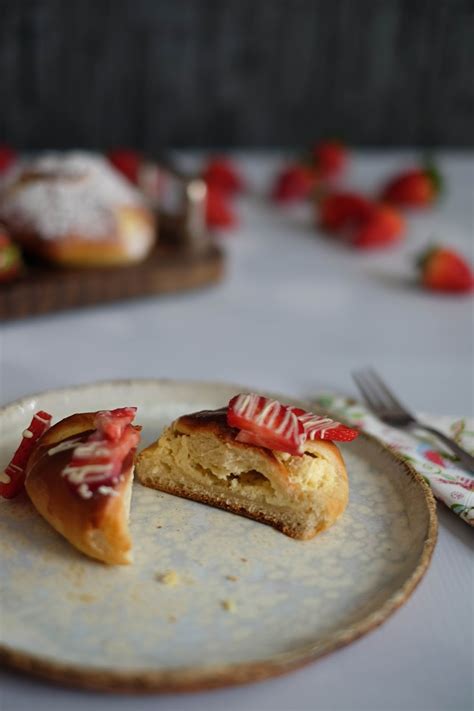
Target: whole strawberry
{"points": [[419, 187], [296, 182], [127, 162], [443, 269], [221, 173], [330, 158], [219, 213], [7, 157], [382, 228], [340, 210]]}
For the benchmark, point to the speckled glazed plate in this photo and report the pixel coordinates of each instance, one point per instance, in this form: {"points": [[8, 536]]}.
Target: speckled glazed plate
{"points": [[248, 602]]}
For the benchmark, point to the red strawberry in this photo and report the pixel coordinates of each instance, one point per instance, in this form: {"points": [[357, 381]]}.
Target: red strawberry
{"points": [[444, 269], [414, 188], [13, 477], [98, 461], [7, 157], [341, 210], [322, 427], [295, 183], [330, 158], [222, 174], [127, 162], [218, 211], [266, 423], [382, 228], [112, 423]]}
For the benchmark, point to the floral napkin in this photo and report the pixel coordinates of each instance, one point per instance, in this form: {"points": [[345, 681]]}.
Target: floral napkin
{"points": [[450, 484]]}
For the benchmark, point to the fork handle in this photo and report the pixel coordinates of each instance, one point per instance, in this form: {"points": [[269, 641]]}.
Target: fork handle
{"points": [[464, 457]]}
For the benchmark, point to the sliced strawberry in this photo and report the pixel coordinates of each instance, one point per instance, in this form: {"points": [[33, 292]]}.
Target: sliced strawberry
{"points": [[111, 423], [295, 182], [322, 427], [266, 423], [127, 162], [218, 210], [331, 158], [443, 269], [13, 478], [342, 210], [221, 173], [7, 157], [98, 461]]}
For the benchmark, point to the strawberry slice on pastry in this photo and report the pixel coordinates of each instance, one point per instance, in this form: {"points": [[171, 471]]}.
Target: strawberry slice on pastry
{"points": [[13, 478]]}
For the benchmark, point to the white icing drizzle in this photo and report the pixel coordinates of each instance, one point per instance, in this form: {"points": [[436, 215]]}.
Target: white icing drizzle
{"points": [[63, 446], [84, 492], [44, 420], [107, 490], [91, 449], [82, 475], [92, 472], [14, 466], [27, 434], [289, 425], [5, 478], [317, 424], [247, 404], [66, 193]]}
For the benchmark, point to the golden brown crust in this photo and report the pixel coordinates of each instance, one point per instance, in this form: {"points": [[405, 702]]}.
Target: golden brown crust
{"points": [[97, 526], [75, 250]]}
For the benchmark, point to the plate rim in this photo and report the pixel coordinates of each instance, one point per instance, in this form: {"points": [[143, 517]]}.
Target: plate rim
{"points": [[197, 678]]}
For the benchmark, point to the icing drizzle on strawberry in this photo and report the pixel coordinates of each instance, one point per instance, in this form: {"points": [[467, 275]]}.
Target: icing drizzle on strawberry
{"points": [[96, 463], [267, 423], [12, 478]]}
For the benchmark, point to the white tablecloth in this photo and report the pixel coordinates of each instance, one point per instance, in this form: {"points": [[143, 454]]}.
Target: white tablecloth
{"points": [[296, 314]]}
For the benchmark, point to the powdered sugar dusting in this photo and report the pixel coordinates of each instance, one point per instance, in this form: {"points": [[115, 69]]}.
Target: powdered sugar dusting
{"points": [[66, 193]]}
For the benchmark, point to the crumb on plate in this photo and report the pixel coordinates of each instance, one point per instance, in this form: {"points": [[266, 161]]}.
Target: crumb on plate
{"points": [[228, 605], [170, 578]]}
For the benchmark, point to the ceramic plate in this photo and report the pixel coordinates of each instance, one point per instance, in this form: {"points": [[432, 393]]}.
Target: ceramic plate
{"points": [[247, 603]]}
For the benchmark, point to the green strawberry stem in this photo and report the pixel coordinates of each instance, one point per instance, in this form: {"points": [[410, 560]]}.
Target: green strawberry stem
{"points": [[433, 173]]}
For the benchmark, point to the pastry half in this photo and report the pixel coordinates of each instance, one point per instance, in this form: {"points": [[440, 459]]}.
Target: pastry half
{"points": [[91, 515], [200, 457]]}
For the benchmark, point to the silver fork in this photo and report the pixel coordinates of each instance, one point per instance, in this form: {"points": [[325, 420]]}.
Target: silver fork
{"points": [[389, 409]]}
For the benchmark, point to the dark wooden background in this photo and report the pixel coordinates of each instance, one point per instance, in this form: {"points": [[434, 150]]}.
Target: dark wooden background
{"points": [[157, 73]]}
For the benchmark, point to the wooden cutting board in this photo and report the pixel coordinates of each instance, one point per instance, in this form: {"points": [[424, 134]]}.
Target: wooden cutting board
{"points": [[170, 268]]}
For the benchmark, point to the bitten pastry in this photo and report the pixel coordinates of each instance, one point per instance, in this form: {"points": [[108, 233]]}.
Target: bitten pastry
{"points": [[270, 462], [79, 477], [75, 209]]}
